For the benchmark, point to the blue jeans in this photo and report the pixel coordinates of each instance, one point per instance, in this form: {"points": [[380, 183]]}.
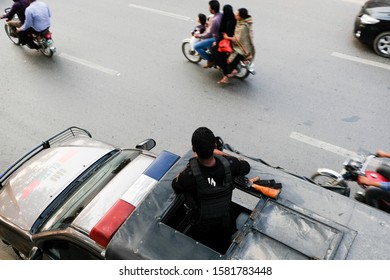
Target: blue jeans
{"points": [[202, 46]]}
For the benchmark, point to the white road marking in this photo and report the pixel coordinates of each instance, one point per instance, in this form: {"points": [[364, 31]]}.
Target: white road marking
{"points": [[361, 60], [329, 147], [89, 64], [161, 12], [322, 145], [359, 2]]}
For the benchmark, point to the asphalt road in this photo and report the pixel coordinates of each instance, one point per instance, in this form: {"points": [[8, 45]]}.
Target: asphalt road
{"points": [[318, 95]]}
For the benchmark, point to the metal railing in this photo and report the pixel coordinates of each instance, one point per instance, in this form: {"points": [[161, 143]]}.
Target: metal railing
{"points": [[56, 139]]}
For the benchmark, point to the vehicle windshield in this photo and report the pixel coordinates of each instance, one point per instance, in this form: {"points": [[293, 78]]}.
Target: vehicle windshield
{"points": [[89, 186]]}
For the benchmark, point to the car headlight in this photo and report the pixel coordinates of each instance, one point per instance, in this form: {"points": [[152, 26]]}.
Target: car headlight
{"points": [[366, 19]]}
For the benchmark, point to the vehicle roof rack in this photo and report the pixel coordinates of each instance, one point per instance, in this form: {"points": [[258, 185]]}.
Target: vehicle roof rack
{"points": [[64, 135]]}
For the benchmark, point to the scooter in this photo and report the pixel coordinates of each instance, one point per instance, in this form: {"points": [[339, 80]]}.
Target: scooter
{"points": [[244, 68], [43, 40], [353, 168]]}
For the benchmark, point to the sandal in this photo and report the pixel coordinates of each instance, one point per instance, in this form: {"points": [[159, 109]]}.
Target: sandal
{"points": [[208, 65], [223, 81], [234, 72]]}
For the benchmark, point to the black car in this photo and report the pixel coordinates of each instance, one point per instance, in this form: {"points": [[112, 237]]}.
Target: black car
{"points": [[372, 26]]}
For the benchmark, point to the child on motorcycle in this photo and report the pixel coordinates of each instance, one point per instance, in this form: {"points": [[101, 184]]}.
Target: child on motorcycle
{"points": [[199, 29]]}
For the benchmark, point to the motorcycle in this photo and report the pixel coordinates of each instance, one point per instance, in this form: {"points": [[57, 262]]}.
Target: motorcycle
{"points": [[353, 168], [244, 68], [43, 40]]}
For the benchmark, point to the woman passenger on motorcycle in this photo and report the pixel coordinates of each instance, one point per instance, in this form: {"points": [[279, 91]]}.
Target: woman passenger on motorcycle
{"points": [[228, 25], [242, 41], [377, 190]]}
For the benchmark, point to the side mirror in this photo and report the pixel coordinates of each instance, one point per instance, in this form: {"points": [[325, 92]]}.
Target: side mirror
{"points": [[35, 254], [147, 144]]}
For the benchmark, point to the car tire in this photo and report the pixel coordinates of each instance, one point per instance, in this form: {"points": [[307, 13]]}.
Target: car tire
{"points": [[382, 44]]}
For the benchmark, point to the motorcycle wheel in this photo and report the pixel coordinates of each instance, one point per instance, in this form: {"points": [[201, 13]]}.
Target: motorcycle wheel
{"points": [[326, 181], [11, 35], [243, 71], [46, 50], [186, 49]]}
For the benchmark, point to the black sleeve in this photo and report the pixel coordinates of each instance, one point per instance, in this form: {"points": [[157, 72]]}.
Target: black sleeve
{"points": [[184, 182], [12, 12], [176, 185], [239, 167]]}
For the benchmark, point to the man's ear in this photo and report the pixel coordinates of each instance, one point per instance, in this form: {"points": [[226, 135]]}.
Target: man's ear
{"points": [[195, 154]]}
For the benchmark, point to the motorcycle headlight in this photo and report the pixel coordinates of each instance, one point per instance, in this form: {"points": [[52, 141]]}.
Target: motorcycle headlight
{"points": [[366, 19]]}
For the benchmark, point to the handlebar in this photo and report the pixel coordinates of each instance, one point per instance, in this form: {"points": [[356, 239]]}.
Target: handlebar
{"points": [[6, 10]]}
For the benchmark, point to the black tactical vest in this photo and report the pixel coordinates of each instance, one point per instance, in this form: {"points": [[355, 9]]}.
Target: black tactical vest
{"points": [[213, 201]]}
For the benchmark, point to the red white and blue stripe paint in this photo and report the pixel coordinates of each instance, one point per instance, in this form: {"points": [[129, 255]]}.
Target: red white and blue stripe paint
{"points": [[103, 231]]}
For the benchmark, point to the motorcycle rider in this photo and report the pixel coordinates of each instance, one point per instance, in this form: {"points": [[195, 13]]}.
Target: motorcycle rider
{"points": [[212, 34], [37, 20], [18, 8], [377, 191]]}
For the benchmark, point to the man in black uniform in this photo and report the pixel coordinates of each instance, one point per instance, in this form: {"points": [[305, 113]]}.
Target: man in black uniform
{"points": [[207, 184]]}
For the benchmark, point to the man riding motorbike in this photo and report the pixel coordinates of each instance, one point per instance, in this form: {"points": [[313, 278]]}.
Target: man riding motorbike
{"points": [[18, 8], [377, 191], [37, 20], [211, 35]]}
